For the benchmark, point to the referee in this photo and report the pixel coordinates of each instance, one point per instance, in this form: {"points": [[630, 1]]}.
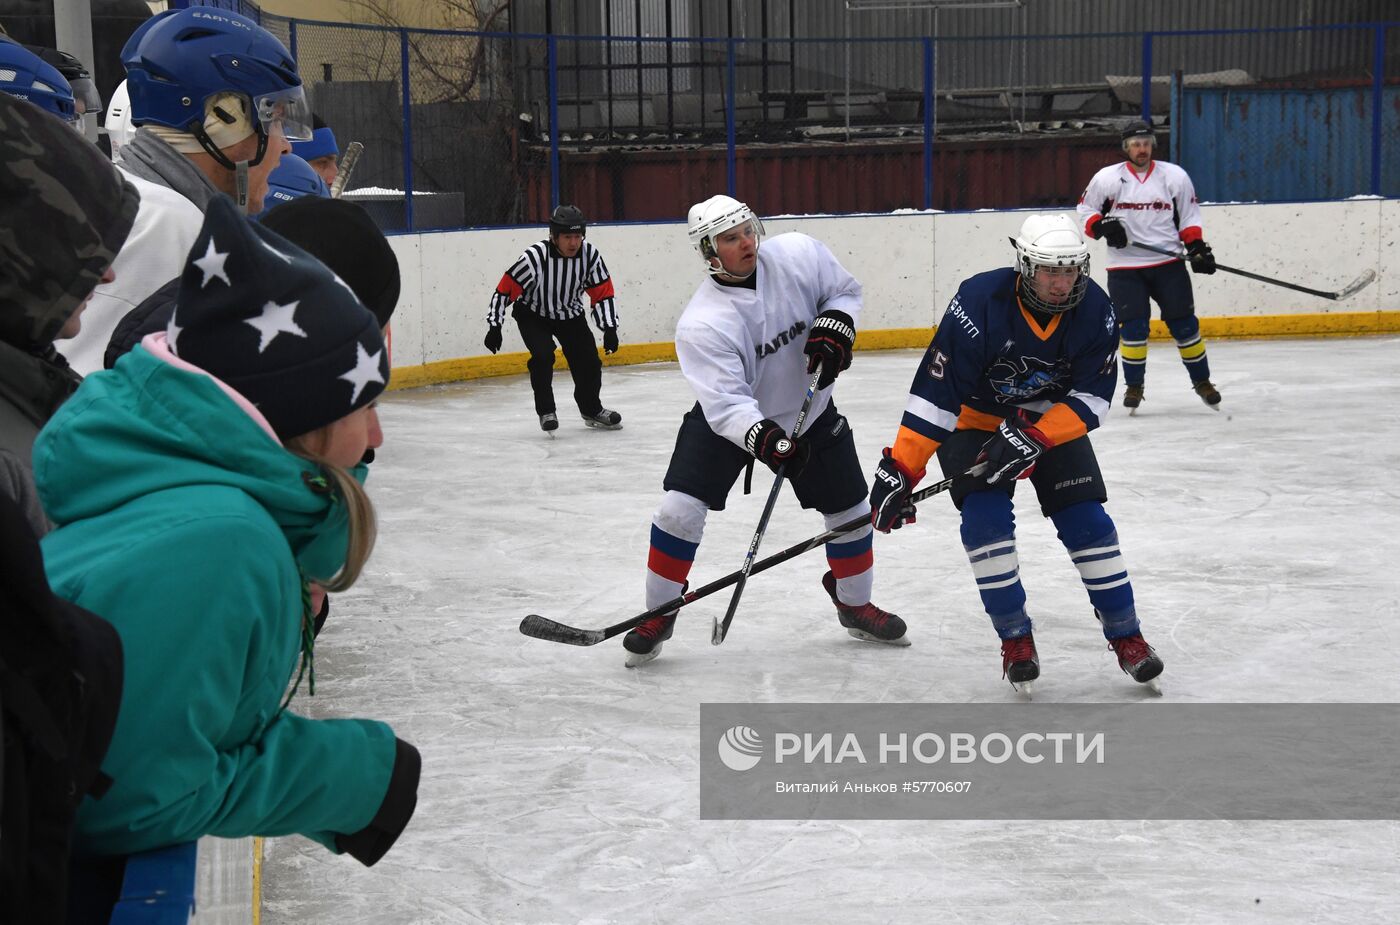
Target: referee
{"points": [[547, 283]]}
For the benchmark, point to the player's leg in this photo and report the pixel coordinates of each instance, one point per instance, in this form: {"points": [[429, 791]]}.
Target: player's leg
{"points": [[703, 469], [581, 350], [535, 332], [989, 538], [1129, 292], [1071, 491], [1179, 315], [832, 483]]}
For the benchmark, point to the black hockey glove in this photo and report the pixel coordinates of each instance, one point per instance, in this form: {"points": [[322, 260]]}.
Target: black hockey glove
{"points": [[493, 338], [1012, 449], [829, 343], [1111, 230], [1202, 260], [610, 340], [770, 445], [890, 507]]}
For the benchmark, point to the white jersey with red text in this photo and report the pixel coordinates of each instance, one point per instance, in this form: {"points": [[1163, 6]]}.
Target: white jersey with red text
{"points": [[741, 349], [1157, 208]]}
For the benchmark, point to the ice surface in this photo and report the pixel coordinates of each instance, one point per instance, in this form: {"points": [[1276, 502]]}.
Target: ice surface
{"points": [[560, 787]]}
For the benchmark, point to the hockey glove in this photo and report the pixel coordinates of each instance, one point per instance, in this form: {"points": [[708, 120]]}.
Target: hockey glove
{"points": [[890, 507], [1202, 260], [1111, 230], [829, 343], [1012, 450], [610, 340], [770, 445], [493, 338]]}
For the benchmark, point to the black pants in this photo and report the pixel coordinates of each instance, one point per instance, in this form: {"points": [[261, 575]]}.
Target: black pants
{"points": [[580, 350]]}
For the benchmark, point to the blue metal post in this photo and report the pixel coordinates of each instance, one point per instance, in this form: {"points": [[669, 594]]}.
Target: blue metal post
{"points": [[292, 40], [1378, 97], [1147, 79], [407, 132], [553, 61], [928, 122], [730, 118]]}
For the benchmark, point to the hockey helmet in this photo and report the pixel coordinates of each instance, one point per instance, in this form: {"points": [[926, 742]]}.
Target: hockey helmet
{"points": [[177, 60], [293, 179], [79, 78], [1137, 129], [1051, 240], [117, 122], [567, 220], [713, 217], [26, 76]]}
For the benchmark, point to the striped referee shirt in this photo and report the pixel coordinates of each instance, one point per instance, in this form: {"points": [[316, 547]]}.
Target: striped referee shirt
{"points": [[552, 286]]}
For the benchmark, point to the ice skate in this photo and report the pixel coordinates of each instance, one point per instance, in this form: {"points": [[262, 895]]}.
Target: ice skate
{"points": [[644, 643], [1132, 398], [866, 621], [1020, 664], [604, 419], [549, 422], [1138, 660], [1209, 394]]}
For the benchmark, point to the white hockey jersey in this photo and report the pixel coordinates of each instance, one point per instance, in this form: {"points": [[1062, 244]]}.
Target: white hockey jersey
{"points": [[1157, 208], [741, 349]]}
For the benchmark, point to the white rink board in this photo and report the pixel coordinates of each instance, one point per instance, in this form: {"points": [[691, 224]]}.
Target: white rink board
{"points": [[910, 264]]}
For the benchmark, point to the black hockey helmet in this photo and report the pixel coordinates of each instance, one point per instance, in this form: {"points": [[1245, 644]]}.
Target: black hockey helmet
{"points": [[567, 220], [1136, 129]]}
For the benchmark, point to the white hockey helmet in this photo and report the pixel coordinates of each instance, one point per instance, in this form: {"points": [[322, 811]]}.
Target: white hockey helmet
{"points": [[1051, 240], [117, 121], [712, 217]]}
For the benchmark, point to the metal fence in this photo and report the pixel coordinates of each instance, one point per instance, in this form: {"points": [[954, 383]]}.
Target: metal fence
{"points": [[471, 129]]}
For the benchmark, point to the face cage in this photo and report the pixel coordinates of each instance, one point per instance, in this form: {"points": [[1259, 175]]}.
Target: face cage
{"points": [[707, 250], [1076, 292], [289, 107]]}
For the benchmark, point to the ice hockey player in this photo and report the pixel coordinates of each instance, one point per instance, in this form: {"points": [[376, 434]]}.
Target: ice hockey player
{"points": [[547, 283], [1021, 368], [1140, 199], [749, 342]]}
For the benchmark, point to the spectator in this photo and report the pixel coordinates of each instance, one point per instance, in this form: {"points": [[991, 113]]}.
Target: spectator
{"points": [[26, 76], [76, 211], [199, 487], [204, 127]]}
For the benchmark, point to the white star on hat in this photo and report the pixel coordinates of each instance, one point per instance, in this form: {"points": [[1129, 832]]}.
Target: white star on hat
{"points": [[212, 265], [275, 319], [366, 371], [172, 334]]}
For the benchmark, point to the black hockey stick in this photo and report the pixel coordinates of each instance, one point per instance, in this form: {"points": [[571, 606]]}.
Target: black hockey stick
{"points": [[1351, 289], [553, 631], [721, 627]]}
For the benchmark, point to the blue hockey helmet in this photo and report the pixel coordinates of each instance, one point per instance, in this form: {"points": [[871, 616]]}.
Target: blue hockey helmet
{"points": [[25, 75], [293, 179], [176, 61]]}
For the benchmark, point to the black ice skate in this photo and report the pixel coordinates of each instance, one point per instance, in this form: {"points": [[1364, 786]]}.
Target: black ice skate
{"points": [[1132, 397], [549, 421], [1138, 660], [1020, 663], [866, 621], [604, 419], [1209, 394], [644, 643]]}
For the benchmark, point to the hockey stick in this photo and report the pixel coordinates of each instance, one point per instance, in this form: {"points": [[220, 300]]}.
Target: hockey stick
{"points": [[1351, 289], [553, 631], [721, 627], [346, 167]]}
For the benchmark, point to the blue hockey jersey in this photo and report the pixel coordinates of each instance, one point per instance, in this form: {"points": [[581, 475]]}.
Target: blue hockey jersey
{"points": [[991, 355]]}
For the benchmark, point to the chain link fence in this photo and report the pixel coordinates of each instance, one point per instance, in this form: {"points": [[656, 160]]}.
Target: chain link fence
{"points": [[477, 129]]}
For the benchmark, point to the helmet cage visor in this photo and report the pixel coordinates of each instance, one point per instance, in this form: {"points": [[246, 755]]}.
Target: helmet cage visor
{"points": [[1032, 262], [287, 106]]}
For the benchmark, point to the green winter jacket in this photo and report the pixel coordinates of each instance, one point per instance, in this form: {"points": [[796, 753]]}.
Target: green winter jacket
{"points": [[183, 522]]}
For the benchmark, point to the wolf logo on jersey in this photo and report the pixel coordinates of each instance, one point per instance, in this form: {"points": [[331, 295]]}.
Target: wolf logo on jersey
{"points": [[1024, 378]]}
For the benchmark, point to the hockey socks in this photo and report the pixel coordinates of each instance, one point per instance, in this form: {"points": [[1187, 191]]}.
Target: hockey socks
{"points": [[1187, 334], [676, 529], [989, 537], [852, 557], [1087, 532]]}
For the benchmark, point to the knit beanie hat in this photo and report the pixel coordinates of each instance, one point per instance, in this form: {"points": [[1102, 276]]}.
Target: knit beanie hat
{"points": [[275, 324], [343, 236]]}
